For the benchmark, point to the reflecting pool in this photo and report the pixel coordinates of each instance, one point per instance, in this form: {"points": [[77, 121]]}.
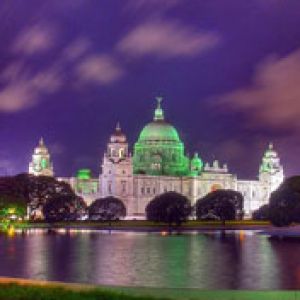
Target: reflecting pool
{"points": [[210, 260]]}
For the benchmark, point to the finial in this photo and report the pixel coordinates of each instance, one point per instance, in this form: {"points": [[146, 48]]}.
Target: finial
{"points": [[159, 114], [41, 142], [159, 100], [270, 146], [118, 127]]}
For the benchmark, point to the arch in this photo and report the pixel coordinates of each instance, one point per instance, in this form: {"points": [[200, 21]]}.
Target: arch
{"points": [[121, 152]]}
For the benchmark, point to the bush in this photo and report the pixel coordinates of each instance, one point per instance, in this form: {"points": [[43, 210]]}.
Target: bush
{"points": [[284, 204], [64, 208], [12, 207], [220, 205], [283, 207], [35, 190], [262, 213], [169, 208], [107, 209]]}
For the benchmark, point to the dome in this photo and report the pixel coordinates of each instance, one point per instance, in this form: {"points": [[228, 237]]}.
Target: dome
{"points": [[196, 165], [196, 161], [159, 131], [159, 150]]}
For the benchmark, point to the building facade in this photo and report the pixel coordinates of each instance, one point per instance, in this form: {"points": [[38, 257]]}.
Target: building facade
{"points": [[159, 164]]}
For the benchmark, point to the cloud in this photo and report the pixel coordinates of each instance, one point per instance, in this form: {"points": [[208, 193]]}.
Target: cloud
{"points": [[34, 39], [76, 49], [273, 99], [100, 69], [166, 40], [22, 89]]}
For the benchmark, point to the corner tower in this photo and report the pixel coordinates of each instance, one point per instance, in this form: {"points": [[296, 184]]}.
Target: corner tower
{"points": [[271, 171], [116, 178], [159, 150], [41, 163]]}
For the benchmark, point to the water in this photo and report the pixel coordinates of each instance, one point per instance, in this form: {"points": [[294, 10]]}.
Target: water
{"points": [[235, 260]]}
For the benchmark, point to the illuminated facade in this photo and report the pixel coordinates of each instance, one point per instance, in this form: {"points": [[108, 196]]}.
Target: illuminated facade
{"points": [[159, 164]]}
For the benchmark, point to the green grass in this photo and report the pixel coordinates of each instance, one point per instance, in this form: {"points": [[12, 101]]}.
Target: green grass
{"points": [[14, 291], [19, 292], [140, 224], [145, 223]]}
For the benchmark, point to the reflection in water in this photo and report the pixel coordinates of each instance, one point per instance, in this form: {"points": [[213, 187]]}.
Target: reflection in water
{"points": [[211, 260], [288, 263]]}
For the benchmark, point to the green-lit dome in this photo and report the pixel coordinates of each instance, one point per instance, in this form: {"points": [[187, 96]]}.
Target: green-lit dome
{"points": [[159, 131], [196, 165], [159, 150]]}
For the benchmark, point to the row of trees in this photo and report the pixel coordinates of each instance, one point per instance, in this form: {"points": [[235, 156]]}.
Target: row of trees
{"points": [[17, 193], [65, 209], [170, 207], [57, 202], [174, 208], [46, 197]]}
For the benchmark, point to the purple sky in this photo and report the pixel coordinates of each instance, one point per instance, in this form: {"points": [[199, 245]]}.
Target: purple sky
{"points": [[229, 72]]}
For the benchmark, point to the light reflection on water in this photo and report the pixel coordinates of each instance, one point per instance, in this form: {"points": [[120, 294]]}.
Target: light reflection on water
{"points": [[210, 260]]}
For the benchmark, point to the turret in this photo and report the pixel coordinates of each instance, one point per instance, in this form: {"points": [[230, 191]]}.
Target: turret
{"points": [[41, 163], [116, 177], [196, 165], [117, 148], [271, 171]]}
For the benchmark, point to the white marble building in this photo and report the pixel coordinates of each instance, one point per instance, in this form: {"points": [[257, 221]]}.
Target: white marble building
{"points": [[158, 165]]}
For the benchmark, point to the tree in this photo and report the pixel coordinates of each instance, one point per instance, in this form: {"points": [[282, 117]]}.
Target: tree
{"points": [[262, 213], [220, 205], [63, 208], [283, 207], [37, 190], [284, 204], [107, 209], [12, 207], [170, 208]]}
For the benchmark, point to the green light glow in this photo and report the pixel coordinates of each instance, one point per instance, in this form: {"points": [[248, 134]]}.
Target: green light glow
{"points": [[159, 131], [84, 174], [44, 163], [159, 150], [196, 165]]}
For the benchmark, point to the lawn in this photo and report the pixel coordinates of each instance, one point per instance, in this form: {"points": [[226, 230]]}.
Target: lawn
{"points": [[13, 291], [19, 292], [145, 223], [140, 225]]}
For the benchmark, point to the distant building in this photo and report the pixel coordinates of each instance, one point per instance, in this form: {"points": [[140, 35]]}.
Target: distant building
{"points": [[159, 164]]}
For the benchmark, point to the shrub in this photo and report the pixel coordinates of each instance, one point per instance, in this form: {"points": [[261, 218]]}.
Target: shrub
{"points": [[170, 208], [107, 209]]}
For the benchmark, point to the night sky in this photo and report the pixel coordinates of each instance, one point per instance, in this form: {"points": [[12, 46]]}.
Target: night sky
{"points": [[229, 72]]}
